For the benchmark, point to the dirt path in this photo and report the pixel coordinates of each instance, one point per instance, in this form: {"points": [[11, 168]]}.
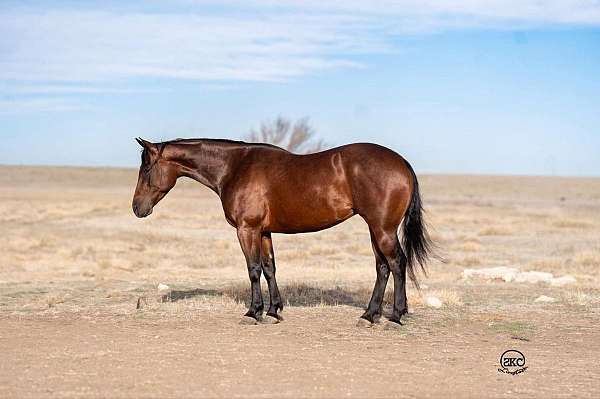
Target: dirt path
{"points": [[316, 352]]}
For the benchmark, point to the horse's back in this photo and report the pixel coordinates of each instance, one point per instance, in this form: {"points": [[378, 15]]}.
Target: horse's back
{"points": [[304, 192], [311, 192], [364, 178]]}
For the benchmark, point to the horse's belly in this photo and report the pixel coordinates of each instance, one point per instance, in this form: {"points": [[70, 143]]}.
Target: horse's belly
{"points": [[309, 211]]}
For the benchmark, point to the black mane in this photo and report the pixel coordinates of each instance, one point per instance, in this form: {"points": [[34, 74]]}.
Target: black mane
{"points": [[217, 141]]}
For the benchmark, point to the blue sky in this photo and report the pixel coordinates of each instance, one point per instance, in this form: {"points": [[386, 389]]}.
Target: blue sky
{"points": [[503, 87]]}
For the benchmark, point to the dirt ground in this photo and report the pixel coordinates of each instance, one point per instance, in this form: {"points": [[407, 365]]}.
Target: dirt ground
{"points": [[74, 263]]}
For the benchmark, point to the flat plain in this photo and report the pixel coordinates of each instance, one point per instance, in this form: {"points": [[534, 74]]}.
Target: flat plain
{"points": [[75, 262]]}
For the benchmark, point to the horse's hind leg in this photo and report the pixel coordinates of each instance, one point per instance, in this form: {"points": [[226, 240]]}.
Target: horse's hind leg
{"points": [[250, 241], [389, 245], [268, 267], [374, 310]]}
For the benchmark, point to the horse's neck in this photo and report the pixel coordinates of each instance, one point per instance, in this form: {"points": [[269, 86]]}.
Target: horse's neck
{"points": [[207, 163]]}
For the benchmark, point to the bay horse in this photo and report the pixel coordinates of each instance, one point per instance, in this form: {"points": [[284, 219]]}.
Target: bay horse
{"points": [[265, 189]]}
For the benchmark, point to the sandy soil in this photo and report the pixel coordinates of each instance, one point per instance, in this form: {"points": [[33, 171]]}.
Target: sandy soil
{"points": [[74, 262]]}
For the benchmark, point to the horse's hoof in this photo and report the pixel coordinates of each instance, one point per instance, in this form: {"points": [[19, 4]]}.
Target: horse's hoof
{"points": [[364, 323], [248, 321], [392, 325], [270, 320]]}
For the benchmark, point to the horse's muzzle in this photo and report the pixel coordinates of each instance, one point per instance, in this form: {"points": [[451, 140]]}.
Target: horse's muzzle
{"points": [[141, 211]]}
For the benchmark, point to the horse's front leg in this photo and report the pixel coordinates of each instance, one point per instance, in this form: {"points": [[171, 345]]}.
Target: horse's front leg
{"points": [[250, 241], [268, 267]]}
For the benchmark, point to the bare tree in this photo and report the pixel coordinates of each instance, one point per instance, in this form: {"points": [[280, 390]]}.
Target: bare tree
{"points": [[299, 137]]}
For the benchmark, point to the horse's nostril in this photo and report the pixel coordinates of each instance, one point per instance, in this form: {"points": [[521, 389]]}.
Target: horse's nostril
{"points": [[140, 210]]}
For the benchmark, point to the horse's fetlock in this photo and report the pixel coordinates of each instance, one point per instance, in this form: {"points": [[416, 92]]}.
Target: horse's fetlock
{"points": [[383, 270]]}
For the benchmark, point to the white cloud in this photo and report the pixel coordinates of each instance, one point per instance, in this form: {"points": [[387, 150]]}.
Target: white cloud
{"points": [[100, 46], [69, 89], [25, 105], [438, 12], [257, 40]]}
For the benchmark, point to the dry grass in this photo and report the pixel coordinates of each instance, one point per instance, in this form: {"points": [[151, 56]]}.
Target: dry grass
{"points": [[571, 224], [515, 328], [547, 264], [53, 300], [75, 225], [469, 261], [467, 239], [469, 247], [589, 259], [496, 231], [580, 298]]}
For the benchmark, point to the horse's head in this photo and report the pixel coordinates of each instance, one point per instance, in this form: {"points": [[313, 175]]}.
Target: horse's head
{"points": [[156, 177]]}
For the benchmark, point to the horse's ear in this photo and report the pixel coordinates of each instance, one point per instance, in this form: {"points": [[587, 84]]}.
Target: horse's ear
{"points": [[146, 144]]}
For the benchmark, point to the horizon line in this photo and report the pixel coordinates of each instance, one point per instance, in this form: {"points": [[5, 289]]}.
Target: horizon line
{"points": [[421, 173]]}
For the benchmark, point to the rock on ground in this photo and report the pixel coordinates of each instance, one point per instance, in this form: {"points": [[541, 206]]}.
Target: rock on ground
{"points": [[433, 302], [509, 274], [544, 299], [162, 287]]}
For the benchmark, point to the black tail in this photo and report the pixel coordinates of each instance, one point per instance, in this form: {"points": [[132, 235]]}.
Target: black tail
{"points": [[415, 240]]}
